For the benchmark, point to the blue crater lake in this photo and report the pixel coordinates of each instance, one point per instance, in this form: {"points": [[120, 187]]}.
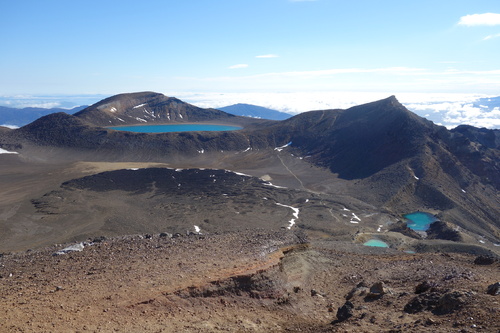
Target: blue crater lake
{"points": [[376, 243], [175, 128], [420, 221]]}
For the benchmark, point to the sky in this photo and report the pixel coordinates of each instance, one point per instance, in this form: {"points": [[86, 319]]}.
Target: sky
{"points": [[226, 48]]}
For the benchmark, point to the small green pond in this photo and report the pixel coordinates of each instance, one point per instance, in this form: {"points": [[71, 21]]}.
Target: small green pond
{"points": [[376, 243]]}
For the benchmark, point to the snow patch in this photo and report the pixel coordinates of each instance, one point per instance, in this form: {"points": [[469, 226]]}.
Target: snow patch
{"points": [[113, 109], [180, 115], [347, 210], [72, 248], [249, 148], [197, 229], [139, 106], [143, 120], [120, 119], [3, 151], [463, 191], [270, 184], [283, 147], [416, 177], [133, 169], [354, 216], [379, 228], [201, 151], [295, 214]]}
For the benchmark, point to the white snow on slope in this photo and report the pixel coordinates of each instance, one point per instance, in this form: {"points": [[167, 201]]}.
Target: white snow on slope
{"points": [[3, 151], [138, 106], [270, 184], [295, 214], [73, 248], [283, 147]]}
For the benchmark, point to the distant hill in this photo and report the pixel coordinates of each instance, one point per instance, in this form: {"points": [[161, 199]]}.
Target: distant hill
{"points": [[24, 116], [254, 111], [149, 108]]}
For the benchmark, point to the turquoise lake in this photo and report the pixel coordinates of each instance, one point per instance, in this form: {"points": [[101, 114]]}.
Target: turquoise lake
{"points": [[376, 243], [420, 221], [175, 128]]}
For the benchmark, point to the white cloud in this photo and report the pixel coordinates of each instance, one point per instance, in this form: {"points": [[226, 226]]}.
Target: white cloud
{"points": [[267, 56], [238, 66], [491, 37], [10, 126], [480, 19], [446, 109]]}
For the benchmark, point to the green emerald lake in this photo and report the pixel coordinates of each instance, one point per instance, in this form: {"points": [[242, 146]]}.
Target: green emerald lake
{"points": [[376, 243], [175, 128], [420, 221]]}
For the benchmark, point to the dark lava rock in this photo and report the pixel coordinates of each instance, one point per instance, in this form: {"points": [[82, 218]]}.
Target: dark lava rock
{"points": [[424, 286], [484, 260], [442, 230], [436, 302], [402, 227], [361, 289], [494, 289], [99, 239], [345, 311], [450, 302], [422, 302]]}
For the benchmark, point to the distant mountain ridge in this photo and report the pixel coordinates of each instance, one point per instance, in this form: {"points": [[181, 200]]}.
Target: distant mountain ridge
{"points": [[249, 110], [21, 117]]}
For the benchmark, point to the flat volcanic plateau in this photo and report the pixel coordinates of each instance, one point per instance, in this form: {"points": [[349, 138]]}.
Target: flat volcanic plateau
{"points": [[255, 230]]}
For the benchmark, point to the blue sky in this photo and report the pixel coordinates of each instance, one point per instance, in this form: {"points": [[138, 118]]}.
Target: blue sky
{"points": [[233, 46]]}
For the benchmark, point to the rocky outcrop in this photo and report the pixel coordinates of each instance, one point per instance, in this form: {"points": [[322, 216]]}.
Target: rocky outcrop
{"points": [[443, 230]]}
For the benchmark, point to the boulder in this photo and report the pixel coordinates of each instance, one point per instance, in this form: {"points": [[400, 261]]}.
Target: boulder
{"points": [[377, 290], [345, 311], [484, 260], [494, 289]]}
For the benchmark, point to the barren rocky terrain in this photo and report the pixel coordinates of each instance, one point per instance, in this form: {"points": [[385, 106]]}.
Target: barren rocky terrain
{"points": [[253, 281]]}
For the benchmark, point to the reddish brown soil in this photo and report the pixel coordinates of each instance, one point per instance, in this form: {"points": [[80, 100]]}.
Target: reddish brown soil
{"points": [[252, 281]]}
